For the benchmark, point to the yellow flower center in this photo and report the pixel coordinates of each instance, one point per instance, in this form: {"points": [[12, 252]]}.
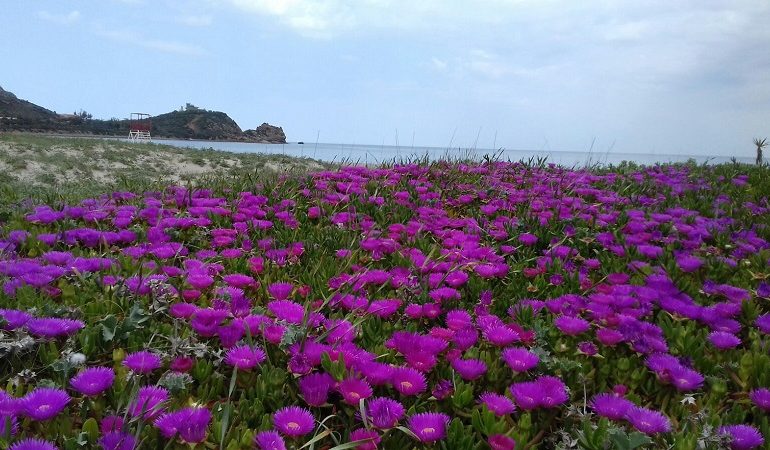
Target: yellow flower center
{"points": [[293, 426], [428, 430], [406, 384], [354, 395]]}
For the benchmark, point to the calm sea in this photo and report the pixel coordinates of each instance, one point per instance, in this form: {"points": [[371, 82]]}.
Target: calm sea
{"points": [[374, 154]]}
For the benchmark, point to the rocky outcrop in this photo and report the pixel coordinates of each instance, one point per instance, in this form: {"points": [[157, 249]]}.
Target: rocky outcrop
{"points": [[16, 108], [267, 134]]}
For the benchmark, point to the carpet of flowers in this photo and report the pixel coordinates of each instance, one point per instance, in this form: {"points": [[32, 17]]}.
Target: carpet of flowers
{"points": [[447, 305]]}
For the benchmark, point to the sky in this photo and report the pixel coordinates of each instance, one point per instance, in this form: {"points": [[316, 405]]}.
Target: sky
{"points": [[647, 76]]}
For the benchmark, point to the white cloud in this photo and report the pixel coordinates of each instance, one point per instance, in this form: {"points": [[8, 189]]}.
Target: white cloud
{"points": [[62, 19], [160, 45], [196, 21]]}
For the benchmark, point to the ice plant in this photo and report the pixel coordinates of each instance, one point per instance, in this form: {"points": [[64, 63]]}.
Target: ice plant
{"points": [[142, 362], [149, 402], [428, 427], [293, 421], [44, 403], [611, 406], [189, 423], [498, 404], [761, 398], [648, 421], [33, 444], [519, 359], [269, 440], [743, 437], [408, 381], [116, 440], [369, 439], [245, 357], [501, 442], [353, 390], [384, 412], [93, 380]]}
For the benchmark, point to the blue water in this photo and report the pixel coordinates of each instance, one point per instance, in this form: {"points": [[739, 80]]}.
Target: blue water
{"points": [[374, 154]]}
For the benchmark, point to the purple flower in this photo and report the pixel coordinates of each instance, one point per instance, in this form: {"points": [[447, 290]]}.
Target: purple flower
{"points": [[761, 398], [571, 326], [763, 323], [554, 391], [115, 440], [744, 437], [142, 362], [190, 423], [353, 390], [527, 395], [280, 291], [384, 412], [269, 440], [148, 402], [685, 379], [587, 348], [443, 389], [50, 327], [371, 438], [469, 369], [611, 406], [44, 403], [33, 444], [315, 388], [408, 381], [245, 357], [287, 310], [723, 340], [293, 421], [13, 318], [93, 380], [688, 263], [500, 335], [648, 421], [520, 359], [501, 442], [429, 427], [498, 404]]}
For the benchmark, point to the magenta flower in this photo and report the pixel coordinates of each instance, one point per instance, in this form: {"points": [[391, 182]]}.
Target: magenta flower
{"points": [[761, 398], [501, 442], [519, 359], [13, 318], [315, 388], [269, 440], [554, 391], [501, 335], [686, 379], [51, 327], [280, 291], [429, 427], [611, 406], [116, 440], [384, 412], [245, 357], [458, 319], [287, 310], [93, 380], [44, 403], [353, 390], [743, 437], [571, 326], [148, 402], [33, 444], [142, 362], [648, 421], [498, 404], [189, 423], [371, 438], [723, 340], [763, 323], [527, 395], [408, 381], [587, 348], [294, 421], [469, 369]]}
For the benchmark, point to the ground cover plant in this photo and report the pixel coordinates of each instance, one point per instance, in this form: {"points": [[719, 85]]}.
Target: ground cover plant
{"points": [[430, 305]]}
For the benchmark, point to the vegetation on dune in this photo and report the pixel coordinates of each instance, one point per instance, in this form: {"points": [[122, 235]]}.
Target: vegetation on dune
{"points": [[454, 305]]}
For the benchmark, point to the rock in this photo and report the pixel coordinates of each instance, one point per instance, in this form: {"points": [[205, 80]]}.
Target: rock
{"points": [[266, 133]]}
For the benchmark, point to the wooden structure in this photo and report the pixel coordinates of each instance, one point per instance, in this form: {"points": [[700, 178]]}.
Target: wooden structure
{"points": [[139, 127]]}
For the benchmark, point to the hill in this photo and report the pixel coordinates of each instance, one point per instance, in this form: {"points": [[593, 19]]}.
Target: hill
{"points": [[188, 123]]}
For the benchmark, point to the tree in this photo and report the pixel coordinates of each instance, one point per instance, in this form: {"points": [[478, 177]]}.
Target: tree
{"points": [[760, 143]]}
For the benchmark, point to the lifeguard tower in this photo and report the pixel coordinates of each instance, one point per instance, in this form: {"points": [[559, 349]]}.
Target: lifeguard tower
{"points": [[140, 126]]}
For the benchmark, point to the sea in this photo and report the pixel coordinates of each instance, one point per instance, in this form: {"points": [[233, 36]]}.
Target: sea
{"points": [[378, 154]]}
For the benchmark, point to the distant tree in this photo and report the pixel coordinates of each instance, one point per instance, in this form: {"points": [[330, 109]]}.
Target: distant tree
{"points": [[760, 143], [84, 115]]}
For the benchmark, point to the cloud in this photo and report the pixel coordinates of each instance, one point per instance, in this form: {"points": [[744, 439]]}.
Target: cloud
{"points": [[160, 45], [196, 21], [62, 19]]}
